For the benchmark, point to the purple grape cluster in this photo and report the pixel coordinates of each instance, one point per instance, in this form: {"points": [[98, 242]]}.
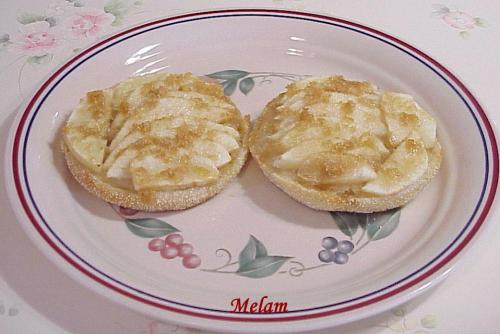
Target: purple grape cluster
{"points": [[339, 256], [173, 246]]}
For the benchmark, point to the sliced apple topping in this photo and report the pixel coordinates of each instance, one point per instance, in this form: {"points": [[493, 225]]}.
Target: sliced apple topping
{"points": [[329, 168], [403, 115], [406, 164], [156, 132], [87, 128], [150, 172], [369, 146], [348, 135], [292, 158], [215, 152], [175, 108]]}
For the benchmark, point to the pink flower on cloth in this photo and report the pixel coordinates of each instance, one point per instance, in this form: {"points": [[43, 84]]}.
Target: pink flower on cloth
{"points": [[87, 23], [36, 39], [457, 19], [460, 20]]}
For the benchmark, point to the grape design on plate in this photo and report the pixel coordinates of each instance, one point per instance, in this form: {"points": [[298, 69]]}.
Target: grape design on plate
{"points": [[173, 246], [254, 260], [339, 256]]}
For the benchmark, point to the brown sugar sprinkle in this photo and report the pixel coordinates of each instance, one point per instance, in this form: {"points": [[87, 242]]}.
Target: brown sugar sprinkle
{"points": [[315, 93], [152, 93], [306, 116], [96, 102], [339, 147], [393, 173], [122, 109], [154, 90], [166, 145], [144, 127], [369, 102], [333, 168], [412, 146], [185, 135], [408, 119], [340, 85], [174, 81], [208, 89], [291, 90], [376, 165], [166, 148], [285, 112], [199, 103], [84, 130], [346, 111], [187, 82], [365, 141], [96, 98]]}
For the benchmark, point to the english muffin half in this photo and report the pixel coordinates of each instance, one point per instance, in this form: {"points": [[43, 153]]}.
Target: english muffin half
{"points": [[340, 145], [156, 142]]}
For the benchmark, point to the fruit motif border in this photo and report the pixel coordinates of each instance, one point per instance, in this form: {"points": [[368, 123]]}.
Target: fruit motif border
{"points": [[254, 260], [412, 280]]}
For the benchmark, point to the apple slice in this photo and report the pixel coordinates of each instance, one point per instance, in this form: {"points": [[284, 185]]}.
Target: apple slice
{"points": [[85, 133], [171, 107], [215, 152], [293, 158], [369, 146], [407, 163], [403, 115], [328, 168], [150, 172]]}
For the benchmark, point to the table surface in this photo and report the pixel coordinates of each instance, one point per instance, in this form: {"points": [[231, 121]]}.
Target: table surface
{"points": [[37, 297]]}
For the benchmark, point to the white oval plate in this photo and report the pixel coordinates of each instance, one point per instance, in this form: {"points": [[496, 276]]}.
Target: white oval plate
{"points": [[252, 224]]}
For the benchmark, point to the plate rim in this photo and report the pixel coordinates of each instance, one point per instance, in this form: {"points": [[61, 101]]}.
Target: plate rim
{"points": [[477, 219]]}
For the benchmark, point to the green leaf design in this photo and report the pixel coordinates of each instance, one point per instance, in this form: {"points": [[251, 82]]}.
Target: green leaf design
{"points": [[119, 10], [44, 59], [480, 22], [255, 263], [229, 87], [27, 18], [13, 311], [246, 85], [262, 266], [4, 41], [228, 75], [253, 249], [440, 9], [429, 321], [381, 224], [51, 21], [149, 227], [399, 312], [348, 222]]}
